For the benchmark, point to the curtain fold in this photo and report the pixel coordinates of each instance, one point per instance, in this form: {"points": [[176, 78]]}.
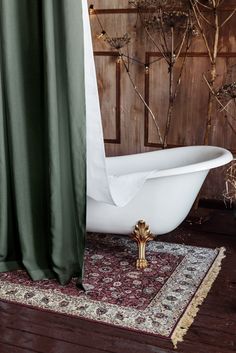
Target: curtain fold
{"points": [[42, 138]]}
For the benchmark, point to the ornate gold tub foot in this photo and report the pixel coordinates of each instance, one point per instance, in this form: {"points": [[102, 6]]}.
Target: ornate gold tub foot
{"points": [[142, 235]]}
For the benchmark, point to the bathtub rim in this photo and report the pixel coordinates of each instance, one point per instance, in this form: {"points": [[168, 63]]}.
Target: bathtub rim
{"points": [[223, 158]]}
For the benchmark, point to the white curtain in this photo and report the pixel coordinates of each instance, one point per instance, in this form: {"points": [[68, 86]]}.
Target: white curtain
{"points": [[116, 190]]}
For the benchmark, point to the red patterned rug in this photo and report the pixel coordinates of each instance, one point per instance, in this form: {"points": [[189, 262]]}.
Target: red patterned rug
{"points": [[162, 299]]}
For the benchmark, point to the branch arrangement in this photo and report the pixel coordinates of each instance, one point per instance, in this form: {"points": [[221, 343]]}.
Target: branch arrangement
{"points": [[207, 16], [170, 31], [119, 44]]}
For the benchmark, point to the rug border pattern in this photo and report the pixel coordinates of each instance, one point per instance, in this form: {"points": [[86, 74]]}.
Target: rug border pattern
{"points": [[174, 324]]}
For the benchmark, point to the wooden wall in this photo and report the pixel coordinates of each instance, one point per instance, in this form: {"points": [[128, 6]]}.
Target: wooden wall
{"points": [[127, 127]]}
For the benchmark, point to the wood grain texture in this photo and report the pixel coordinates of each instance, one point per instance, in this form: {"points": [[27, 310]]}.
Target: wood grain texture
{"points": [[136, 128], [24, 329], [108, 78]]}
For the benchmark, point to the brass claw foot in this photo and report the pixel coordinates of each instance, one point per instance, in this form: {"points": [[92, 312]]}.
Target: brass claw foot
{"points": [[141, 263], [141, 235]]}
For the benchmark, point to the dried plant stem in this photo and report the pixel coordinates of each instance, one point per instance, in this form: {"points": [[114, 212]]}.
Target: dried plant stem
{"points": [[173, 93], [203, 17], [212, 52], [170, 107], [230, 185], [159, 48], [212, 57], [213, 75], [170, 51], [200, 3], [182, 68], [143, 100], [209, 119], [171, 83], [196, 12], [228, 18], [230, 125], [181, 45], [162, 32], [212, 79], [223, 107]]}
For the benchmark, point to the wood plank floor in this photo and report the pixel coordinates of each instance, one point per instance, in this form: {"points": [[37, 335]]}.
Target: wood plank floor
{"points": [[26, 330]]}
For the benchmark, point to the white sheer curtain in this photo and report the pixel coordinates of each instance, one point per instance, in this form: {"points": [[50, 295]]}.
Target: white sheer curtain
{"points": [[112, 189]]}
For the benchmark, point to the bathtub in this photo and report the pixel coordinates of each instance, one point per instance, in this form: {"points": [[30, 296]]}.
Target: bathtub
{"points": [[168, 194]]}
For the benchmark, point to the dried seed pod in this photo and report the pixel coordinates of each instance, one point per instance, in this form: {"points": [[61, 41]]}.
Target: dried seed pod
{"points": [[227, 92], [118, 42], [145, 4]]}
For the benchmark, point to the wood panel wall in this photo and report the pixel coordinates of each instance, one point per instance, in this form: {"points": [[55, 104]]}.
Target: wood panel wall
{"points": [[127, 126]]}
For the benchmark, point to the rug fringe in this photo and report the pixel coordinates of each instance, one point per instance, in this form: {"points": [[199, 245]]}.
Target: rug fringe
{"points": [[193, 308]]}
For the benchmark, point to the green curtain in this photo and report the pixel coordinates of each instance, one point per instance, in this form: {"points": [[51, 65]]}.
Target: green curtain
{"points": [[42, 138]]}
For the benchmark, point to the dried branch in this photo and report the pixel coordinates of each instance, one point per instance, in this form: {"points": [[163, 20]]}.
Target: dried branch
{"points": [[182, 67], [203, 17], [200, 3], [224, 108], [162, 32], [213, 6], [194, 5], [227, 92], [214, 94], [216, 38], [118, 42], [159, 47], [230, 184], [142, 99], [228, 18], [146, 4], [171, 81], [230, 125], [181, 44], [174, 95], [212, 91], [169, 24]]}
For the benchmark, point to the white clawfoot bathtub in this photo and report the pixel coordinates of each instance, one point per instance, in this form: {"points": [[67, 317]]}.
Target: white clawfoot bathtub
{"points": [[167, 195]]}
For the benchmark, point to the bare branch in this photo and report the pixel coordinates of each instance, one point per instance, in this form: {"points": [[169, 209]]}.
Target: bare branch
{"points": [[200, 3], [201, 30], [163, 32], [228, 18], [144, 102], [220, 2], [216, 39], [215, 96], [225, 106], [203, 17], [160, 49], [230, 125], [182, 43], [214, 3], [182, 67]]}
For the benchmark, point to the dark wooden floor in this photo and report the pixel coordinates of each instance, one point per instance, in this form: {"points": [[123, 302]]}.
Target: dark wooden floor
{"points": [[24, 330]]}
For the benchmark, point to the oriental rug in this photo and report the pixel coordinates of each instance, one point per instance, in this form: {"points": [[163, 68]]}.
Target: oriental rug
{"points": [[162, 299]]}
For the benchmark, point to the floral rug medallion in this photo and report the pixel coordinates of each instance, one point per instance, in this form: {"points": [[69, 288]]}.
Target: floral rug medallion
{"points": [[162, 299]]}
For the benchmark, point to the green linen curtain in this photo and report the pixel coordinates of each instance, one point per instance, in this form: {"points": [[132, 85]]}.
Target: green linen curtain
{"points": [[42, 138]]}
